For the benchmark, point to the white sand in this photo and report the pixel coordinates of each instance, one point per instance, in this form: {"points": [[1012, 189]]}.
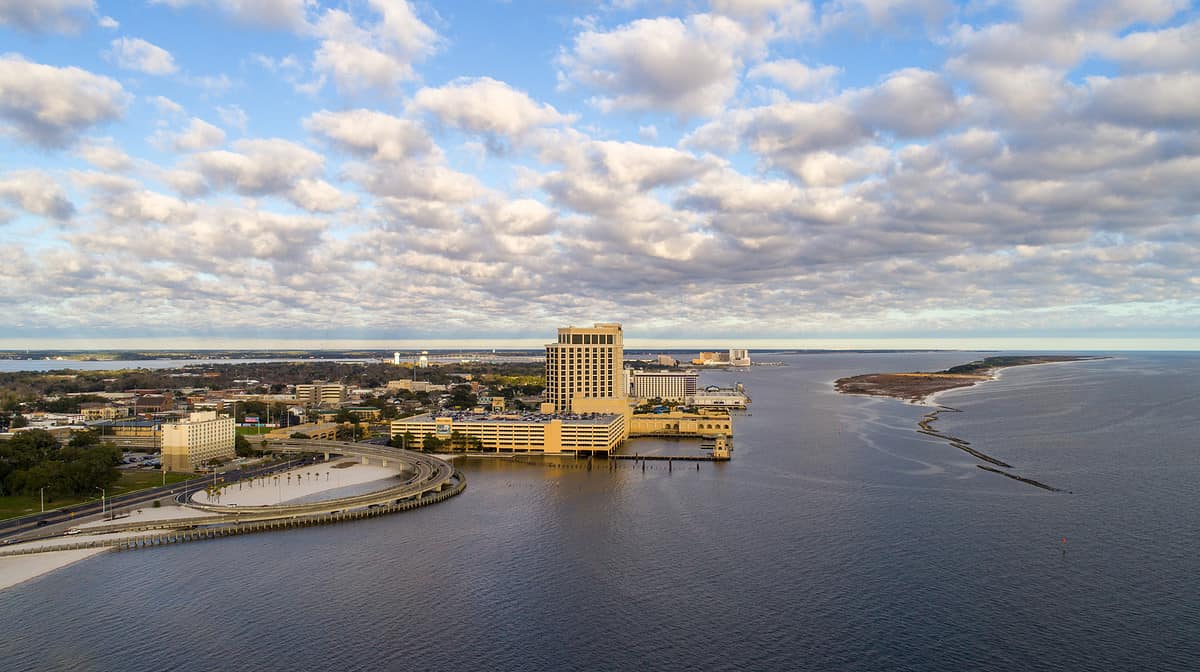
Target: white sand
{"points": [[21, 568], [297, 483], [149, 513]]}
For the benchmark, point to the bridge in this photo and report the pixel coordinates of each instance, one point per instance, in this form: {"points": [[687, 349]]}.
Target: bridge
{"points": [[429, 480]]}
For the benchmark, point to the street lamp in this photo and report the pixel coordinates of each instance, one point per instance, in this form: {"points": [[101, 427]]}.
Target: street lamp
{"points": [[103, 494]]}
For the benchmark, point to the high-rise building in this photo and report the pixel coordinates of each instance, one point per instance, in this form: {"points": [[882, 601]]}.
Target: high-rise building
{"points": [[191, 443], [585, 364]]}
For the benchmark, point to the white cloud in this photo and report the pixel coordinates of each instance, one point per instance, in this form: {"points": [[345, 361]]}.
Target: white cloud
{"points": [[319, 196], [199, 135], [378, 55], [108, 22], [279, 14], [484, 105], [138, 54], [47, 16], [1175, 48], [50, 106], [104, 153], [37, 193], [233, 115], [166, 105], [372, 134], [688, 67], [910, 102], [795, 75], [1147, 100]]}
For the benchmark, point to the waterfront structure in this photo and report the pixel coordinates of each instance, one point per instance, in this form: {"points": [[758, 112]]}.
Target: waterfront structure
{"points": [[583, 369], [679, 423], [585, 434], [665, 385], [319, 392], [667, 360], [191, 443], [720, 397], [739, 357]]}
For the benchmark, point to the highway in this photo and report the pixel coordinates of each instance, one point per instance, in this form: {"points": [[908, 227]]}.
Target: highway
{"points": [[427, 475]]}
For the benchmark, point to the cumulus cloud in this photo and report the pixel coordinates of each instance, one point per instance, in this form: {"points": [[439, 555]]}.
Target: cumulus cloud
{"points": [[687, 67], [269, 167], [795, 75], [138, 54], [375, 55], [1147, 100], [484, 105], [47, 16], [372, 134], [199, 135], [909, 103], [50, 106], [280, 14], [36, 193], [104, 153]]}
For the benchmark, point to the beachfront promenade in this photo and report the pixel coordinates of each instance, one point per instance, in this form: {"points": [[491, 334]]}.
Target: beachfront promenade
{"points": [[427, 479]]}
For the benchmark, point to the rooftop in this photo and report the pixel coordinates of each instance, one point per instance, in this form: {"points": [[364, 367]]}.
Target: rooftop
{"points": [[529, 418]]}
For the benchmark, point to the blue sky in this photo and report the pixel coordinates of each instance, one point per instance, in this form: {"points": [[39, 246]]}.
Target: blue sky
{"points": [[867, 172]]}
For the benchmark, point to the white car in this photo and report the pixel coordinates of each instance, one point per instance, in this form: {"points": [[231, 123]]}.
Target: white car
{"points": [[73, 530]]}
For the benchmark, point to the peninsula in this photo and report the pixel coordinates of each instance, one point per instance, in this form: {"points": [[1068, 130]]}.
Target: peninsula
{"points": [[916, 386]]}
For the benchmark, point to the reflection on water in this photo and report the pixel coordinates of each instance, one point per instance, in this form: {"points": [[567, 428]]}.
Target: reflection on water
{"points": [[837, 538]]}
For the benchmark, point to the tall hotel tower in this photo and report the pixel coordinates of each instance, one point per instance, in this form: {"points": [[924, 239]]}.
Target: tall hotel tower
{"points": [[583, 369]]}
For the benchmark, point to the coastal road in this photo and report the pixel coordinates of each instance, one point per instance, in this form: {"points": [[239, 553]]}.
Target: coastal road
{"points": [[52, 523]]}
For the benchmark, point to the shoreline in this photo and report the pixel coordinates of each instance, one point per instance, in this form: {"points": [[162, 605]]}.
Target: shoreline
{"points": [[924, 387]]}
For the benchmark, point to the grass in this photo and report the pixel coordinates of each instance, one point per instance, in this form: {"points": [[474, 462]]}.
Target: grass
{"points": [[255, 430], [23, 505]]}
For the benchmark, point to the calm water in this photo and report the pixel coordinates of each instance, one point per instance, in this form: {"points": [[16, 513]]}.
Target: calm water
{"points": [[12, 365], [838, 538]]}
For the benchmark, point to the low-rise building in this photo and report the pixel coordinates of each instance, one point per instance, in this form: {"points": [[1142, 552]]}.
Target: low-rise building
{"points": [[679, 423], [720, 397], [323, 431], [191, 443], [665, 385], [143, 435], [319, 392], [556, 434]]}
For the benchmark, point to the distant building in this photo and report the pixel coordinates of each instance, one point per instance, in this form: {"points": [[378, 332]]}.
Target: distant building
{"points": [[739, 357], [584, 369], [191, 443], [665, 385], [130, 434], [319, 392], [423, 360], [667, 360], [734, 357], [396, 358], [415, 386]]}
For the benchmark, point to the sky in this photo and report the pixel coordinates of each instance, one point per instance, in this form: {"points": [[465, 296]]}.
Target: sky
{"points": [[872, 173]]}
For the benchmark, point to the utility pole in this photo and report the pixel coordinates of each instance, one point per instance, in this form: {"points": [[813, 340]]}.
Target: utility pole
{"points": [[42, 490]]}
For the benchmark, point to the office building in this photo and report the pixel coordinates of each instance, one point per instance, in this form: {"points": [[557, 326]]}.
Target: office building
{"points": [[322, 393], [189, 444]]}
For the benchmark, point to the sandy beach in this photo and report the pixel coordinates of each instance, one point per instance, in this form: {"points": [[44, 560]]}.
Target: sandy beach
{"points": [[303, 483]]}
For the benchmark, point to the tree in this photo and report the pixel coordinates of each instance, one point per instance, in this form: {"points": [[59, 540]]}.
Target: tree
{"points": [[241, 446]]}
